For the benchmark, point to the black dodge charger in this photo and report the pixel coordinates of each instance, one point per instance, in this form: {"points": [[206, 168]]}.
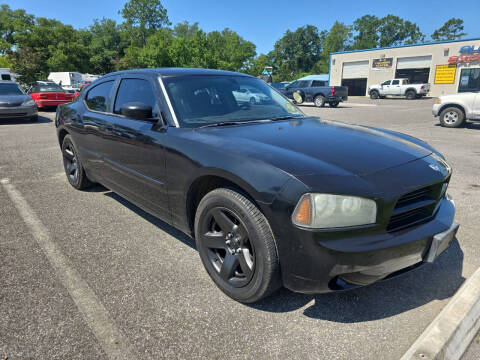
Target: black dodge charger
{"points": [[271, 196]]}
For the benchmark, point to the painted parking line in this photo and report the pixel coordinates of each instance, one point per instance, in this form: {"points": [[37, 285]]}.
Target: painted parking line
{"points": [[113, 342]]}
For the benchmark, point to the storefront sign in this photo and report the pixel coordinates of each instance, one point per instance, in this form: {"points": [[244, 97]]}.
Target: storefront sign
{"points": [[445, 74], [382, 64], [468, 54]]}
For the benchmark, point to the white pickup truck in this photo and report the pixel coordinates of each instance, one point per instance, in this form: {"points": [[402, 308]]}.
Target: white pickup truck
{"points": [[455, 109], [398, 87]]}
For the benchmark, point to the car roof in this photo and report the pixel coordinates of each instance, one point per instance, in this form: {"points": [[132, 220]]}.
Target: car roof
{"points": [[8, 82], [171, 72]]}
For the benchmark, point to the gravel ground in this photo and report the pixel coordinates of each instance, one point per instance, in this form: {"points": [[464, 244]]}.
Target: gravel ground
{"points": [[149, 278]]}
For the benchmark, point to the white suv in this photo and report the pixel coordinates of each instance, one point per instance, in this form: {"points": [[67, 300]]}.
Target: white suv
{"points": [[455, 109]]}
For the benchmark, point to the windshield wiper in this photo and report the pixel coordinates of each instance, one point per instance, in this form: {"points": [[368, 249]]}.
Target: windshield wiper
{"points": [[223, 123], [287, 117]]}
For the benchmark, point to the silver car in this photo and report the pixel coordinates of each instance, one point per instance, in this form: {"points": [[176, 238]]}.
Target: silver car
{"points": [[14, 103]]}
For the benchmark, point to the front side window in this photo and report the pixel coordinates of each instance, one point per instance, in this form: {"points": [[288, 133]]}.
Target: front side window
{"points": [[134, 90], [10, 89], [302, 84], [205, 100], [97, 98], [386, 82]]}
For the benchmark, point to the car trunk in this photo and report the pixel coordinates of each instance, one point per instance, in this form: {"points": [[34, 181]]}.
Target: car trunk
{"points": [[55, 96]]}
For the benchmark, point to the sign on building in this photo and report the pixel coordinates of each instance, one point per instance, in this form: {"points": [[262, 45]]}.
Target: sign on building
{"points": [[445, 74], [382, 64]]}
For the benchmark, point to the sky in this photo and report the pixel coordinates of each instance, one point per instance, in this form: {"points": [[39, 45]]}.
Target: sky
{"points": [[264, 22]]}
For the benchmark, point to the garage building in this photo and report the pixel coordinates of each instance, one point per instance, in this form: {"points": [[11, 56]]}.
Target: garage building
{"points": [[448, 66]]}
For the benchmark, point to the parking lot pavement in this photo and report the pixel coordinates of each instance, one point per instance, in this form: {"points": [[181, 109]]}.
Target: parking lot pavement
{"points": [[149, 279]]}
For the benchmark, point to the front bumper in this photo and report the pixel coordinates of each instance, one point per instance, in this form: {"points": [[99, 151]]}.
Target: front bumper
{"points": [[322, 265], [18, 112], [436, 109]]}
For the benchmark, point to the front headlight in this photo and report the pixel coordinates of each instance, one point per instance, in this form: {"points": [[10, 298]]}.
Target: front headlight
{"points": [[319, 211], [30, 102]]}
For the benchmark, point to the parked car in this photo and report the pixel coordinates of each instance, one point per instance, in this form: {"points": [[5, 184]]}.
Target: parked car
{"points": [[398, 87], [271, 196], [14, 103], [454, 110], [248, 94], [82, 87], [69, 81], [47, 94], [315, 91]]}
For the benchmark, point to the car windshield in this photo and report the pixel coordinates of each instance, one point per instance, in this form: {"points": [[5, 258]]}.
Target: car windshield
{"points": [[49, 88], [10, 89], [208, 100]]}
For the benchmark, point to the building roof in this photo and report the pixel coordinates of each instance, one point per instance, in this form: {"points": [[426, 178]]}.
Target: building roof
{"points": [[403, 46]]}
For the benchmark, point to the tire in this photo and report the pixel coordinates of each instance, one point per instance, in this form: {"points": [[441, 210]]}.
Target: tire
{"points": [[319, 101], [374, 95], [253, 101], [452, 117], [299, 96], [73, 167], [34, 118], [333, 104], [410, 94], [237, 246]]}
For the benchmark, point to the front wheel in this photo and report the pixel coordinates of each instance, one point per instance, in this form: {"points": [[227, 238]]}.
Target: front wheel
{"points": [[374, 95], [452, 117], [236, 246], [252, 100]]}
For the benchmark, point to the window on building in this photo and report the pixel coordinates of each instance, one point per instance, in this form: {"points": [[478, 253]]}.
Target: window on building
{"points": [[469, 80], [446, 52]]}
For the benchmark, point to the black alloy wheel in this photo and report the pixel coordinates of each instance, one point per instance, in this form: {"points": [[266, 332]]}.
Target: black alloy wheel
{"points": [[73, 167], [228, 247], [374, 95], [333, 104], [236, 245]]}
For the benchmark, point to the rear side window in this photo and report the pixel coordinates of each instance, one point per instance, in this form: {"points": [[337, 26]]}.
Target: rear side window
{"points": [[134, 90], [98, 97], [395, 82], [318, 83]]}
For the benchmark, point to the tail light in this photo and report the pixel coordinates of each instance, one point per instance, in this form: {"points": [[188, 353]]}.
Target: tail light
{"points": [[423, 87], [332, 90]]}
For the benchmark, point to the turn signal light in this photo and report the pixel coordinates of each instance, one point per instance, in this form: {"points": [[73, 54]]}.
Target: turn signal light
{"points": [[304, 212], [439, 101]]}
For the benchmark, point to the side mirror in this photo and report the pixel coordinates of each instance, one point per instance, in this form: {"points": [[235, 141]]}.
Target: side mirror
{"points": [[137, 111]]}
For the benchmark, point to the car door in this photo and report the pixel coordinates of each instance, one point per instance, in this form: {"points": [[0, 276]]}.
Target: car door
{"points": [[476, 106], [96, 126], [395, 88], [136, 160]]}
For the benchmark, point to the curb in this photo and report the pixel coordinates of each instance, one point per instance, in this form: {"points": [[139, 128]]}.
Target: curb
{"points": [[451, 332]]}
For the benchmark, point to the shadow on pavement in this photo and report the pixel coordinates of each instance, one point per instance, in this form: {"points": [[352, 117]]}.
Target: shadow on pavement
{"points": [[410, 290], [151, 219], [41, 120]]}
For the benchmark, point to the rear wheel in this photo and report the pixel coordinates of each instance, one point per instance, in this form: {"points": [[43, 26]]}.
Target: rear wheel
{"points": [[73, 167], [319, 101], [374, 95], [252, 100], [452, 117], [34, 118], [410, 95], [333, 104], [236, 246]]}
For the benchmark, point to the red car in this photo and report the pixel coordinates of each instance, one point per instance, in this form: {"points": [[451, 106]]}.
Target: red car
{"points": [[47, 93], [81, 89]]}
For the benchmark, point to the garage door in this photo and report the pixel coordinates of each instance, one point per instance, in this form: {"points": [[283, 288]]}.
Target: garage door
{"points": [[355, 70], [416, 62]]}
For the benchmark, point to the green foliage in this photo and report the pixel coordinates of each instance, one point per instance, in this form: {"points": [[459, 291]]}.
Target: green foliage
{"points": [[366, 28], [394, 31], [5, 62], [144, 17], [12, 23], [451, 30], [105, 45]]}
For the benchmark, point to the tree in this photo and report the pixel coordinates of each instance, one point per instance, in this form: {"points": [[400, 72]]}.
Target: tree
{"points": [[297, 52], [144, 17], [394, 31], [227, 50], [366, 29], [12, 22], [451, 30], [185, 30], [256, 66], [105, 45]]}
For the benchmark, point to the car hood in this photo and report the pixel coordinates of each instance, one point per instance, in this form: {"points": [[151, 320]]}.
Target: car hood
{"points": [[313, 146], [13, 100]]}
